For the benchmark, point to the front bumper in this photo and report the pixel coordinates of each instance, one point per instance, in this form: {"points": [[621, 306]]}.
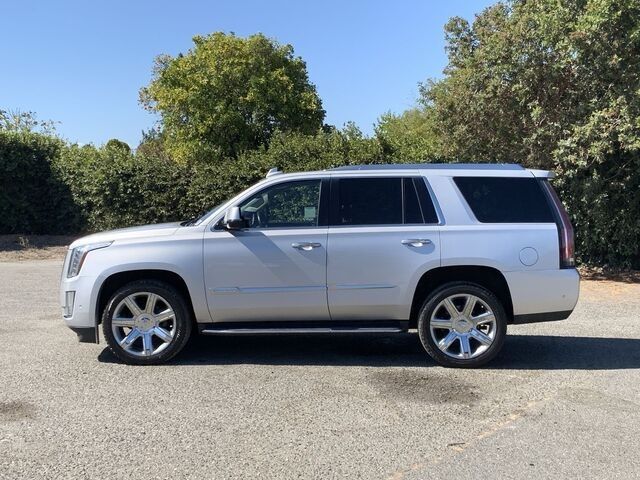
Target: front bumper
{"points": [[79, 308]]}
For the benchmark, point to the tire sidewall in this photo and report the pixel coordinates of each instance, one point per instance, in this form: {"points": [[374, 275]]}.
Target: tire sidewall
{"points": [[432, 302], [182, 320]]}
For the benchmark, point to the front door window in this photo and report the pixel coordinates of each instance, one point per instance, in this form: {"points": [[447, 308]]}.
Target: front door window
{"points": [[286, 205]]}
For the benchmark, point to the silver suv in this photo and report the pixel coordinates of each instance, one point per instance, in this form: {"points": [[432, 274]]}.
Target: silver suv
{"points": [[456, 252]]}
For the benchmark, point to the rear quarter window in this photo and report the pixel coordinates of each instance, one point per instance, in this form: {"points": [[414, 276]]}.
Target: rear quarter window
{"points": [[505, 200]]}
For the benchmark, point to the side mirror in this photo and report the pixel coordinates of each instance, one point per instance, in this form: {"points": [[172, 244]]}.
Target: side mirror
{"points": [[233, 220]]}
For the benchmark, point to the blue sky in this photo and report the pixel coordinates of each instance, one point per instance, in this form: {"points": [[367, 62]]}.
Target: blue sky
{"points": [[82, 63]]}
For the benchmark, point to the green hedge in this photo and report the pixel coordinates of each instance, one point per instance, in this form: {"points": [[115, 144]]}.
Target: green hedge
{"points": [[48, 187], [33, 197], [114, 187]]}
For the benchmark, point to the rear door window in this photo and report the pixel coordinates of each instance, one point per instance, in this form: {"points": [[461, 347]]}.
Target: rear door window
{"points": [[505, 199], [426, 204], [381, 201], [412, 209], [369, 201]]}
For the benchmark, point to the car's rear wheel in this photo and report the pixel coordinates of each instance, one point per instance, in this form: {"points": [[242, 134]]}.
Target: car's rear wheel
{"points": [[462, 325], [146, 322]]}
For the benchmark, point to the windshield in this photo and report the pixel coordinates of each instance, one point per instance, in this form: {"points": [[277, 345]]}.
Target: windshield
{"points": [[197, 220]]}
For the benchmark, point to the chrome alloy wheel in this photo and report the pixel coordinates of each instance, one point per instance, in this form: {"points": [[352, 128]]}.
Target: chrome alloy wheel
{"points": [[143, 324], [463, 326]]}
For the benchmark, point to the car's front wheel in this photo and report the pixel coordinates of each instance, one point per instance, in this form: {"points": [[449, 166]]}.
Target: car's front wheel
{"points": [[462, 325], [146, 322]]}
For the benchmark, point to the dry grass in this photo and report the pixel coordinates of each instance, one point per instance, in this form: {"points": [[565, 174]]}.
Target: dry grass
{"points": [[16, 248], [611, 275]]}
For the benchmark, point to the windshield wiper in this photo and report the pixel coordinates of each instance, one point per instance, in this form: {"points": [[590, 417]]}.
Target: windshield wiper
{"points": [[188, 223]]}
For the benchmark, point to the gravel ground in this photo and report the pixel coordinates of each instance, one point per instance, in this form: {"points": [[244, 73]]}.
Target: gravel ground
{"points": [[561, 401]]}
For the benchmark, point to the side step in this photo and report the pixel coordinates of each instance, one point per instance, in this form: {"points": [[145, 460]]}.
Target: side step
{"points": [[302, 328]]}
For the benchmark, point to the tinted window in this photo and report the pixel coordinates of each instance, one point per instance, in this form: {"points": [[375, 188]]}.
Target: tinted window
{"points": [[412, 210], [292, 204], [426, 204], [505, 200], [369, 201]]}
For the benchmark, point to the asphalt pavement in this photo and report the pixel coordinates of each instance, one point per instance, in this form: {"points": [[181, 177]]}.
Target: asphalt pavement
{"points": [[561, 401]]}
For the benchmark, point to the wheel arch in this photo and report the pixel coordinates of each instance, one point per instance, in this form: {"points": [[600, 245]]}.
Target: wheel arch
{"points": [[118, 279], [488, 277]]}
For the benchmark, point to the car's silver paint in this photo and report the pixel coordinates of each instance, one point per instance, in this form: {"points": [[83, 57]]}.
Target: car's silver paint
{"points": [[370, 271], [258, 274], [355, 273]]}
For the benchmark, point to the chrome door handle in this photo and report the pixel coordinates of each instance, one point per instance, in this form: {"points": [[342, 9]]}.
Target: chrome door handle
{"points": [[416, 242], [306, 246]]}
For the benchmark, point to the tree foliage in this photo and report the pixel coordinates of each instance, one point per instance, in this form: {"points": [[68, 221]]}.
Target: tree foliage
{"points": [[33, 197], [408, 137], [25, 122], [229, 94], [114, 187], [553, 84]]}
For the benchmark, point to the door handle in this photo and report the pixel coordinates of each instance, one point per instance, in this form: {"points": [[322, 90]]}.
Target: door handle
{"points": [[306, 246], [416, 242]]}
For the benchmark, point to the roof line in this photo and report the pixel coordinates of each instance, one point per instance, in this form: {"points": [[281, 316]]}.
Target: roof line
{"points": [[433, 166]]}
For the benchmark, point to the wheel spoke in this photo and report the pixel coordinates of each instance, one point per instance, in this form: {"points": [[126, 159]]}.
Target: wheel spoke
{"points": [[469, 306], [441, 323], [147, 344], [481, 337], [162, 334], [132, 306], [486, 317], [446, 342], [465, 347], [152, 298], [131, 337], [164, 315], [451, 308], [122, 322]]}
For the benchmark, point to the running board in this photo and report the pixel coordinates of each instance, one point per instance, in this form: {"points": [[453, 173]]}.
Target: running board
{"points": [[301, 328]]}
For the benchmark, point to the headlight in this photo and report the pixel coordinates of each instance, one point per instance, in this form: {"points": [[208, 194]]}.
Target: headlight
{"points": [[78, 255]]}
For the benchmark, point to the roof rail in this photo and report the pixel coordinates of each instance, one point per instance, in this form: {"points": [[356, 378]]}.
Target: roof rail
{"points": [[433, 166], [273, 171]]}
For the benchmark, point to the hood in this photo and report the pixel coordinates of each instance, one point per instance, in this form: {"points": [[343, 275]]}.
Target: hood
{"points": [[141, 231]]}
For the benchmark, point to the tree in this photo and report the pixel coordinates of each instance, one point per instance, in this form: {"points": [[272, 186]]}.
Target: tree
{"points": [[116, 144], [553, 84], [408, 137], [230, 94], [24, 122]]}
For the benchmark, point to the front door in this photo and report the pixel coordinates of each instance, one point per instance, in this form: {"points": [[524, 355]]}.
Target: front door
{"points": [[275, 269]]}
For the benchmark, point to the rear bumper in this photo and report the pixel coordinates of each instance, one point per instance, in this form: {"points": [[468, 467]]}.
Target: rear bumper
{"points": [[543, 295], [541, 317]]}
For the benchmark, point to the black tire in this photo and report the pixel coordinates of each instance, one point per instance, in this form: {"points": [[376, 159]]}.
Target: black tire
{"points": [[182, 319], [461, 288]]}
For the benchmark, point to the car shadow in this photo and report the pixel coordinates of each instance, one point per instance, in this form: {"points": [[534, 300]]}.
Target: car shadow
{"points": [[520, 352]]}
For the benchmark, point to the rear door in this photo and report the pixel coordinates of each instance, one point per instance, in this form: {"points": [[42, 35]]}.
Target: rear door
{"points": [[383, 235]]}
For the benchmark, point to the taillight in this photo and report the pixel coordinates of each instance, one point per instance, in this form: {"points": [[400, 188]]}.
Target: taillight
{"points": [[565, 229]]}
